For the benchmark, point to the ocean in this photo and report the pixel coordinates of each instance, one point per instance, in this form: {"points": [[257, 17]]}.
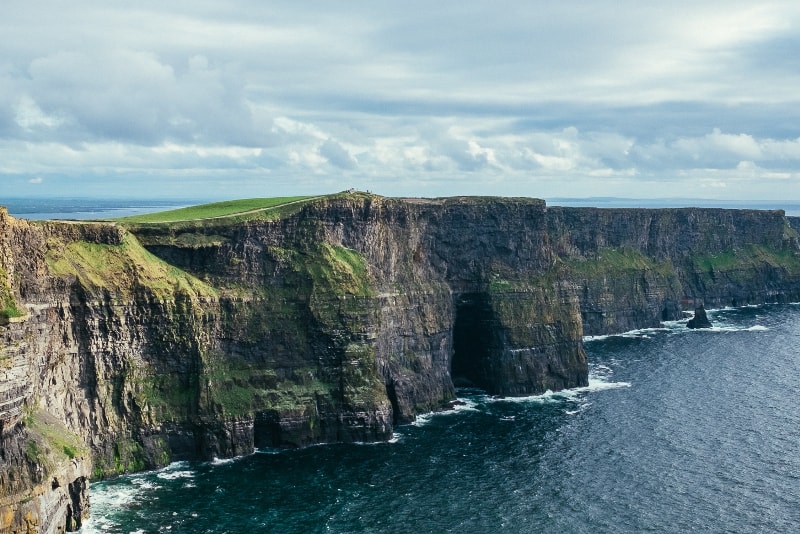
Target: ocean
{"points": [[86, 208], [678, 431]]}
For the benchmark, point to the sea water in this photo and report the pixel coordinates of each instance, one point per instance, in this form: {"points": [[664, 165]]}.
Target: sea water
{"points": [[85, 208], [678, 431]]}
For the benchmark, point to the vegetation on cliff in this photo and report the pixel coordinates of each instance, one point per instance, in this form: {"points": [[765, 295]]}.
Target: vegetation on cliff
{"points": [[217, 210], [8, 305], [747, 258], [120, 269], [49, 441]]}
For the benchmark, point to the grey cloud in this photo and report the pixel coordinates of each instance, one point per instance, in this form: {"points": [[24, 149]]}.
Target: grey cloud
{"points": [[337, 155], [133, 96]]}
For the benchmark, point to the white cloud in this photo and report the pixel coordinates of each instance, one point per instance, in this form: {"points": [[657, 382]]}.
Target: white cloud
{"points": [[30, 116], [37, 180]]}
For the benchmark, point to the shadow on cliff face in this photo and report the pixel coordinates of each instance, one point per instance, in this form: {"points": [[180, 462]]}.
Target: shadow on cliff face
{"points": [[472, 341]]}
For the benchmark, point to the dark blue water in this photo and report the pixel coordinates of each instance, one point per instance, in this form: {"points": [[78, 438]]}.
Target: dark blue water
{"points": [[679, 431]]}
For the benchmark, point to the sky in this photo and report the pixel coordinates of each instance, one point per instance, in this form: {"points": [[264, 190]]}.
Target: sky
{"points": [[232, 99]]}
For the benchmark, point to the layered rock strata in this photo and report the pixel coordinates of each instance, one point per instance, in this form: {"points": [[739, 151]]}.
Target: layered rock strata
{"points": [[637, 267]]}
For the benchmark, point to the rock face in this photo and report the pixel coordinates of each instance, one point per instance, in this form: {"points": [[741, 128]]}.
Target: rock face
{"points": [[333, 320], [700, 319], [637, 267]]}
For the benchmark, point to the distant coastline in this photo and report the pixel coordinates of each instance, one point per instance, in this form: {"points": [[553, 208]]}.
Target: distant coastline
{"points": [[92, 208], [86, 208]]}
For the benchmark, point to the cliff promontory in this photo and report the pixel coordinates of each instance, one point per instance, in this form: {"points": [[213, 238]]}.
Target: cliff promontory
{"points": [[125, 346]]}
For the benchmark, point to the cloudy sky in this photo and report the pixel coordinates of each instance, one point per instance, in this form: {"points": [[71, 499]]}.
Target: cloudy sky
{"points": [[229, 99]]}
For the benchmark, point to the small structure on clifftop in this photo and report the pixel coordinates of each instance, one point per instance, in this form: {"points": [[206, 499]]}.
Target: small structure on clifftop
{"points": [[700, 319]]}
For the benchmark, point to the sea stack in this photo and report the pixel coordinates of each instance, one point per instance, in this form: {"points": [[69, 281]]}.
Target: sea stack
{"points": [[700, 319]]}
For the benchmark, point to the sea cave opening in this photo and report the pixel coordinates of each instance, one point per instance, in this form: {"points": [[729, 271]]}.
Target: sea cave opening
{"points": [[472, 341]]}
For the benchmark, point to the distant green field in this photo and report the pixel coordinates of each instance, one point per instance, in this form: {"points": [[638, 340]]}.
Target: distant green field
{"points": [[217, 209]]}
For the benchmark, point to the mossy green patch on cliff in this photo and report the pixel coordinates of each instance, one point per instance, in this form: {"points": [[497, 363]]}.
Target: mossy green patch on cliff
{"points": [[49, 440], [502, 280], [611, 261], [237, 388], [339, 271], [159, 396], [127, 456], [121, 268], [8, 305], [748, 258], [361, 387]]}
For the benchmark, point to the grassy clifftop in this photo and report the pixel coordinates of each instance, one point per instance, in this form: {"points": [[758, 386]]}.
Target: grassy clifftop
{"points": [[232, 208]]}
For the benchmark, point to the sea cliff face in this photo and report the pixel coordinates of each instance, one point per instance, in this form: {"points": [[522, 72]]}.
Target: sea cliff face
{"points": [[637, 267], [125, 348]]}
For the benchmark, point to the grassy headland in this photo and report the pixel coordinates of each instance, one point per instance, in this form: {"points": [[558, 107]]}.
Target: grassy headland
{"points": [[229, 208]]}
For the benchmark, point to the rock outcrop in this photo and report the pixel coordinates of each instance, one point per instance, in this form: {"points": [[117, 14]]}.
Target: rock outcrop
{"points": [[700, 319], [125, 348]]}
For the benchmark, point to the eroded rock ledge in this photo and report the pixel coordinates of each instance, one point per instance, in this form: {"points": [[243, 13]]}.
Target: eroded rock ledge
{"points": [[125, 348]]}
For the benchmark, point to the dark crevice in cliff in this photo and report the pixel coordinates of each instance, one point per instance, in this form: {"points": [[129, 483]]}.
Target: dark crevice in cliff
{"points": [[472, 341], [391, 394]]}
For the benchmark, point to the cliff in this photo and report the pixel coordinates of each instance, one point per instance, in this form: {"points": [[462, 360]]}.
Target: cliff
{"points": [[637, 267], [129, 346]]}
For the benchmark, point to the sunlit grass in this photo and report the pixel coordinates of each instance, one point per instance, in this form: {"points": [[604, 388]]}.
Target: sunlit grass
{"points": [[217, 209]]}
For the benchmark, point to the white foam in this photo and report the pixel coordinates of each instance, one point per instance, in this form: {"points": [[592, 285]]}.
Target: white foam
{"points": [[730, 328], [587, 339], [423, 419], [680, 327], [598, 384], [174, 475], [643, 332], [223, 461], [116, 497], [581, 408], [639, 333], [599, 371], [462, 404], [547, 396], [144, 484]]}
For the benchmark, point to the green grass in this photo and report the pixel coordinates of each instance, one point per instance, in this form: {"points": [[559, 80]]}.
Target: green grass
{"points": [[340, 271], [8, 306], [121, 268], [50, 442], [612, 261], [217, 209], [748, 257]]}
